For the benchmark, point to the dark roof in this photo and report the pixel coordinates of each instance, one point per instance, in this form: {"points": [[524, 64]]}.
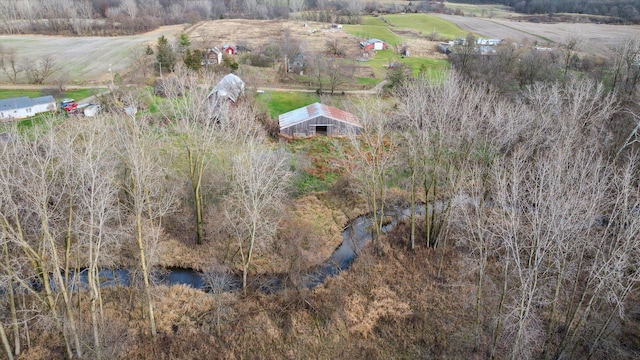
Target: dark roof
{"points": [[43, 100], [24, 102], [314, 110], [15, 103]]}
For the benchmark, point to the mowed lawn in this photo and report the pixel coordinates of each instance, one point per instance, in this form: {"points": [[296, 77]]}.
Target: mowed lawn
{"points": [[373, 28], [384, 58], [280, 102], [77, 94]]}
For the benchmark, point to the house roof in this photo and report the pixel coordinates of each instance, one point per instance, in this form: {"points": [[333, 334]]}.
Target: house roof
{"points": [[314, 110], [371, 41], [231, 86], [42, 100], [15, 103], [24, 102]]}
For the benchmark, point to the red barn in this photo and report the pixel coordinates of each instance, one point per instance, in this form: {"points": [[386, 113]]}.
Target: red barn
{"points": [[229, 49]]}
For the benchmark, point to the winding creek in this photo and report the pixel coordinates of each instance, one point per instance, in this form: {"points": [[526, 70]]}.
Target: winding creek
{"points": [[354, 237]]}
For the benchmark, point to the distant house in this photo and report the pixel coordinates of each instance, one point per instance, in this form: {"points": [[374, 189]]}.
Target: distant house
{"points": [[231, 87], [23, 107], [373, 44], [488, 42], [485, 50], [229, 49], [211, 57], [318, 119]]}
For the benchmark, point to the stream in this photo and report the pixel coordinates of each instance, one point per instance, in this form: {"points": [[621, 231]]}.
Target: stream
{"points": [[354, 237]]}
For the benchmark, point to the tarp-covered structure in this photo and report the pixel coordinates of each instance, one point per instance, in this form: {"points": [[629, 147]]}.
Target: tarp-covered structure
{"points": [[230, 87]]}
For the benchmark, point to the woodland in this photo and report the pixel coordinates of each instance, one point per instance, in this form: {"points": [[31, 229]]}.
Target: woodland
{"points": [[529, 247]]}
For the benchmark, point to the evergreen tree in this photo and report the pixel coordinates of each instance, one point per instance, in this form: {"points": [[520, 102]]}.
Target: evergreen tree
{"points": [[165, 56]]}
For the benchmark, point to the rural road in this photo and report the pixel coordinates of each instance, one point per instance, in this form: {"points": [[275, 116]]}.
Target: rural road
{"points": [[373, 91]]}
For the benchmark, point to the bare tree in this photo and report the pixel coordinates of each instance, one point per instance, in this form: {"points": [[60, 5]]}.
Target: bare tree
{"points": [[92, 164], [9, 63], [149, 196], [38, 72], [257, 187], [374, 152], [625, 68], [569, 49]]}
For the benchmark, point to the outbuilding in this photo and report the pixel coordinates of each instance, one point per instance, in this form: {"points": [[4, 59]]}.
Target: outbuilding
{"points": [[373, 44], [318, 119], [23, 107], [231, 87]]}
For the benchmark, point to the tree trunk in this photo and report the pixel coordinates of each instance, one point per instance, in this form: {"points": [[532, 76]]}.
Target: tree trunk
{"points": [[145, 274]]}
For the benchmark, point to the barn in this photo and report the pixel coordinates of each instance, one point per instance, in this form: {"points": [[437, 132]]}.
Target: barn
{"points": [[23, 107], [230, 87], [318, 119], [373, 44]]}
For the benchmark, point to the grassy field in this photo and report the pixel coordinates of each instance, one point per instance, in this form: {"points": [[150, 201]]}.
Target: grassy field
{"points": [[77, 94], [425, 25], [380, 63], [373, 31], [278, 102]]}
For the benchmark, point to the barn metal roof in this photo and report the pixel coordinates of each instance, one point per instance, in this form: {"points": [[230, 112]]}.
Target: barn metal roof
{"points": [[314, 110]]}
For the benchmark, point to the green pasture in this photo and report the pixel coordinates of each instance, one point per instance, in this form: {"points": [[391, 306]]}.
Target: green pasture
{"points": [[280, 102], [381, 61], [77, 94], [374, 31], [425, 24]]}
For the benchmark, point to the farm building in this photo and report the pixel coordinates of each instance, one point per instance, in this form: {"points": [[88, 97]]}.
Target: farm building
{"points": [[488, 42], [229, 49], [373, 44], [317, 119], [230, 87], [23, 107], [211, 57]]}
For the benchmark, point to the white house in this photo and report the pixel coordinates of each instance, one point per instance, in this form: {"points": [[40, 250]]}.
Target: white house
{"points": [[488, 42], [23, 107]]}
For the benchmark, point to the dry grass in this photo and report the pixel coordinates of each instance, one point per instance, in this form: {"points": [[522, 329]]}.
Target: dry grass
{"points": [[256, 34]]}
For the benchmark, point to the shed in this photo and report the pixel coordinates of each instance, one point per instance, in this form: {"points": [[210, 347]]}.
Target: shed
{"points": [[373, 44], [229, 49], [318, 119], [23, 107], [230, 87]]}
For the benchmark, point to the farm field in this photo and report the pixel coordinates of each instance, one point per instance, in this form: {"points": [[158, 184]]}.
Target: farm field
{"points": [[85, 59], [597, 39]]}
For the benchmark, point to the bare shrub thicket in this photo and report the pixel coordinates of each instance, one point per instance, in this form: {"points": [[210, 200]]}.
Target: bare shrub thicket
{"points": [[556, 223]]}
